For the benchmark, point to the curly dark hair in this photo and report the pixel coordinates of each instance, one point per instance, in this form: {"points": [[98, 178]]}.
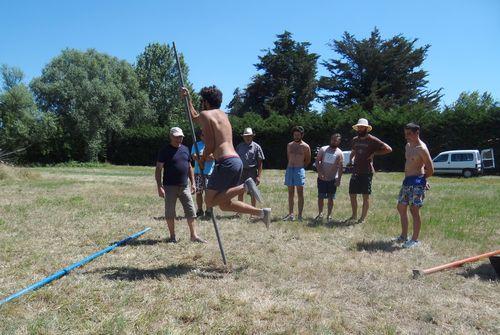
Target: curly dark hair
{"points": [[212, 95]]}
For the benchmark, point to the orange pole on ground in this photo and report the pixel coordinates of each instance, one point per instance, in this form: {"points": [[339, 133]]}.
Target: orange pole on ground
{"points": [[455, 263]]}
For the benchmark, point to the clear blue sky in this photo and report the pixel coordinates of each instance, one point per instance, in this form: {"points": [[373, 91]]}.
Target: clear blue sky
{"points": [[222, 39]]}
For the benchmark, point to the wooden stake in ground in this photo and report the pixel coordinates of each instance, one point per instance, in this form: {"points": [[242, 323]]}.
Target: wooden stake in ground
{"points": [[188, 112], [455, 264]]}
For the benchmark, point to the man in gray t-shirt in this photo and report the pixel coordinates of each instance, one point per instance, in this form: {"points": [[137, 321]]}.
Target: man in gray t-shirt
{"points": [[329, 163], [252, 156]]}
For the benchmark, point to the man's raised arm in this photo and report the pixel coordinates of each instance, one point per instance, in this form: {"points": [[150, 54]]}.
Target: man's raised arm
{"points": [[194, 114]]}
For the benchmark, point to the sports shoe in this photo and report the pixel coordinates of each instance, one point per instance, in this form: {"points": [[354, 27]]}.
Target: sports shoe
{"points": [[411, 244], [319, 218], [267, 216], [300, 218], [399, 239], [252, 189], [288, 217]]}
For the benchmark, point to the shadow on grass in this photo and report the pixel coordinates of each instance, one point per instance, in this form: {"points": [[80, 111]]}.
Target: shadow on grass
{"points": [[134, 274], [143, 242], [484, 271], [331, 223], [173, 271], [374, 246]]}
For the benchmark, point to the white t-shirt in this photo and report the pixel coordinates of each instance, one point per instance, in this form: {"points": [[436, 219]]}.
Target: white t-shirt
{"points": [[330, 161]]}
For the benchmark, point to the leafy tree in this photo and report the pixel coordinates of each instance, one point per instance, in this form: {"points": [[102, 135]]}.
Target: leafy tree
{"points": [[377, 72], [17, 110], [94, 96], [157, 74], [287, 83]]}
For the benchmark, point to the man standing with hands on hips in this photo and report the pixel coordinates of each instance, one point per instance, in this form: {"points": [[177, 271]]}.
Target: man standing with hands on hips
{"points": [[364, 147]]}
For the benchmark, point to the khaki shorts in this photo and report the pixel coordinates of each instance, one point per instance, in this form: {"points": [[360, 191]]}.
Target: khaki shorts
{"points": [[172, 193]]}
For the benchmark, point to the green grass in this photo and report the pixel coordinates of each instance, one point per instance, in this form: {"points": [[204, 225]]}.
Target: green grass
{"points": [[295, 278]]}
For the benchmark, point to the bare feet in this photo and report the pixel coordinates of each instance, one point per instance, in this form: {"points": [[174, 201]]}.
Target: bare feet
{"points": [[198, 240]]}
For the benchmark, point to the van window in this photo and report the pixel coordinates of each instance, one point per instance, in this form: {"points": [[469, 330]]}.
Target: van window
{"points": [[441, 158], [465, 157]]}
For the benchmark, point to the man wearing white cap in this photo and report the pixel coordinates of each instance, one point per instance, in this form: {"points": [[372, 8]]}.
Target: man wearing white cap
{"points": [[175, 161], [252, 156], [364, 147]]}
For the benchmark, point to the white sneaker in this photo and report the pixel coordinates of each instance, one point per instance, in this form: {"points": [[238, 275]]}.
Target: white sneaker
{"points": [[319, 218], [267, 217], [411, 244], [252, 189], [288, 217]]}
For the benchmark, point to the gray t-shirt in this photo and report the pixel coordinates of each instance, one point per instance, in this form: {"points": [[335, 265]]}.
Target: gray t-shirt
{"points": [[250, 154]]}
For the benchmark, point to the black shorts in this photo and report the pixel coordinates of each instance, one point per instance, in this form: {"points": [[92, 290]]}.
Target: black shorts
{"points": [[361, 184], [326, 189], [249, 173], [226, 174]]}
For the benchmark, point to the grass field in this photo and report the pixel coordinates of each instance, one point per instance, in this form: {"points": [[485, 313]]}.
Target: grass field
{"points": [[295, 278]]}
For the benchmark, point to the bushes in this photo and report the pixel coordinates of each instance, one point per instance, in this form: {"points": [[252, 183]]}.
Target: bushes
{"points": [[471, 123], [137, 146]]}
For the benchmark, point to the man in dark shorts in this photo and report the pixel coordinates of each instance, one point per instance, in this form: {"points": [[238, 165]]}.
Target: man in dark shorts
{"points": [[418, 168], [175, 161], [252, 156], [364, 147], [329, 163], [201, 175], [224, 183]]}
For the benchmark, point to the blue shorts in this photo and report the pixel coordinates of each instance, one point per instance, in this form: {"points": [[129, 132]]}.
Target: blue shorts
{"points": [[326, 189], [226, 174], [295, 176]]}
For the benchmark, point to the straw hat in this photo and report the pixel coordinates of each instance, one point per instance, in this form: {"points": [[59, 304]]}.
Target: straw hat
{"points": [[248, 131], [362, 122]]}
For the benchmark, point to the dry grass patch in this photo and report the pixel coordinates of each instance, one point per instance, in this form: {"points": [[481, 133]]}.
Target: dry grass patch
{"points": [[295, 278]]}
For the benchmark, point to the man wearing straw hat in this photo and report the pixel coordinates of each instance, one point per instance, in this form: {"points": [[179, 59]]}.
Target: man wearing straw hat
{"points": [[252, 156], [364, 147]]}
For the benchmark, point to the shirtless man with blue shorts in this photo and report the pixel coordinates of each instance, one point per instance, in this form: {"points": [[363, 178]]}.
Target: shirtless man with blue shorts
{"points": [[418, 168]]}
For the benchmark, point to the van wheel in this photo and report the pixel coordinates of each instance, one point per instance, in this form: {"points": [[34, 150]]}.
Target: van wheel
{"points": [[467, 173]]}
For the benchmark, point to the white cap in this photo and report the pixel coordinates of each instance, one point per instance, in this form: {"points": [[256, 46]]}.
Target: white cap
{"points": [[176, 131]]}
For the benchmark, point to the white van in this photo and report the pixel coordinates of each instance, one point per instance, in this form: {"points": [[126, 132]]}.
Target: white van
{"points": [[464, 162], [346, 155]]}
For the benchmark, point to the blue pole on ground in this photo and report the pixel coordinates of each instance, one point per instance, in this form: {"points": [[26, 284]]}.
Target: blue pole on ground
{"points": [[68, 269]]}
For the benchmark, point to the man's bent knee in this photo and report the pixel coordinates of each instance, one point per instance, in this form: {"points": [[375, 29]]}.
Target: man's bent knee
{"points": [[226, 206]]}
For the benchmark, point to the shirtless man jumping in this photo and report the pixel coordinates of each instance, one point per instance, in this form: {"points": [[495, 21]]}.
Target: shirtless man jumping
{"points": [[224, 183], [418, 168]]}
